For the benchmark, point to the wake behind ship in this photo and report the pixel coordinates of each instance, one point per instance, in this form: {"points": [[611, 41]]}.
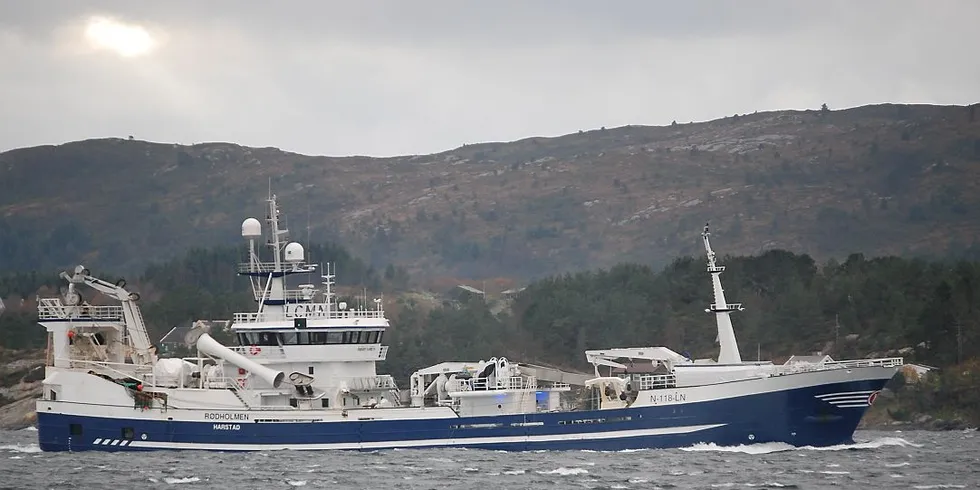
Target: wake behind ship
{"points": [[304, 377]]}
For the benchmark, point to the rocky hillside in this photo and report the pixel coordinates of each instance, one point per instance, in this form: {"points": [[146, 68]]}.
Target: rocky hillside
{"points": [[21, 373], [886, 179]]}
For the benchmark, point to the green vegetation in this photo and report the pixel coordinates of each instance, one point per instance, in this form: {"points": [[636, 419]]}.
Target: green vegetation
{"points": [[855, 308]]}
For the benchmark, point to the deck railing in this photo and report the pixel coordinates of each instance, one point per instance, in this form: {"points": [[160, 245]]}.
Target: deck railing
{"points": [[268, 267], [312, 315], [58, 311], [482, 384], [655, 381], [803, 367]]}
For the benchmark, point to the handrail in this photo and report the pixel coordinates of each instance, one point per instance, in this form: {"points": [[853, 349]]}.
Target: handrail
{"points": [[82, 312], [804, 367], [267, 267], [481, 384], [653, 381], [255, 317]]}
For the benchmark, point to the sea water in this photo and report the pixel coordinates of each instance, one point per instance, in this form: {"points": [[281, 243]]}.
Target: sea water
{"points": [[879, 459]]}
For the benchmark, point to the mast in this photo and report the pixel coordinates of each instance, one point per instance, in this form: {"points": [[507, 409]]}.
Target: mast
{"points": [[722, 309]]}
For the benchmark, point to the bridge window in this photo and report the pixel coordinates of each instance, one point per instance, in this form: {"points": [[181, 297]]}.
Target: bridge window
{"points": [[268, 338], [259, 338], [312, 338]]}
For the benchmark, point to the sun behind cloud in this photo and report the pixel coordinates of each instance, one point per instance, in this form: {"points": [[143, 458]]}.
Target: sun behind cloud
{"points": [[127, 40]]}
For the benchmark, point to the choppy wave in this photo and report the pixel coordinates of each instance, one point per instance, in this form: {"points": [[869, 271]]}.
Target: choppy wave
{"points": [[21, 448], [768, 484], [563, 471], [775, 447], [881, 459], [174, 481]]}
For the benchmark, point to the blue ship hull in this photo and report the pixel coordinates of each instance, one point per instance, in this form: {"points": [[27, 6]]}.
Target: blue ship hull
{"points": [[797, 416]]}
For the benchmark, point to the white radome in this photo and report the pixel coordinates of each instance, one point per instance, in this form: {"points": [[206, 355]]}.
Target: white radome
{"points": [[294, 252], [251, 228]]}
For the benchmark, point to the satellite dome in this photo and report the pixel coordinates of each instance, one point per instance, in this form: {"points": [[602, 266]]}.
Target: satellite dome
{"points": [[251, 228], [294, 252]]}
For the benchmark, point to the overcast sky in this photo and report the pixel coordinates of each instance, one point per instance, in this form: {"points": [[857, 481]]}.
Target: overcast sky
{"points": [[399, 77]]}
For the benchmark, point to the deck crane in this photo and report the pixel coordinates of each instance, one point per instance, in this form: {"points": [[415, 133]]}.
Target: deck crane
{"points": [[143, 352]]}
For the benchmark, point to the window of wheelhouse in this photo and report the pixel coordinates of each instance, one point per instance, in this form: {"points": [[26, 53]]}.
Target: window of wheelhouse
{"points": [[260, 338], [330, 338]]}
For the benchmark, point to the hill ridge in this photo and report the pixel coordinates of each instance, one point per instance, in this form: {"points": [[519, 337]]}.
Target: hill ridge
{"points": [[881, 179]]}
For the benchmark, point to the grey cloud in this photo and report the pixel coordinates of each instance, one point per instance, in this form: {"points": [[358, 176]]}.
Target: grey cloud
{"points": [[397, 77]]}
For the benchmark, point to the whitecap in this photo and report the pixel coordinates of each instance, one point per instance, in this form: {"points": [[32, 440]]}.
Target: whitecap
{"points": [[564, 471], [20, 448], [872, 444], [173, 481], [296, 483], [515, 472], [762, 448], [897, 465]]}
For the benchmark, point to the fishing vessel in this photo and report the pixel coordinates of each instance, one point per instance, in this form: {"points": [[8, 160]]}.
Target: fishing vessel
{"points": [[303, 377]]}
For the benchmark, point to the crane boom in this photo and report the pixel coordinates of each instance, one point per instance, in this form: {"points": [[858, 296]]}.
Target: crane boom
{"points": [[136, 332]]}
